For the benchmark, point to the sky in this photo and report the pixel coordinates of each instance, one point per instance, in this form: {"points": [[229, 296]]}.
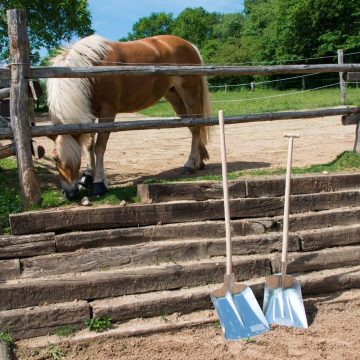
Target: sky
{"points": [[114, 19]]}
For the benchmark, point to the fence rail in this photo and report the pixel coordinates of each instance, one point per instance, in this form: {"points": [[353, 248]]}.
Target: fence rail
{"points": [[181, 70], [147, 124]]}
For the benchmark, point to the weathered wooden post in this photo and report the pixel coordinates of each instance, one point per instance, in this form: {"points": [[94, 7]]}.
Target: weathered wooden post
{"points": [[20, 64], [342, 81]]}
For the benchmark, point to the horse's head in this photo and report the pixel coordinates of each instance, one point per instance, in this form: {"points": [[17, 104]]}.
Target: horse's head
{"points": [[67, 157]]}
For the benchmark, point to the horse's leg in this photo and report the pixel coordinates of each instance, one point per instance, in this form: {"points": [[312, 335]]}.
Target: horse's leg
{"points": [[99, 187], [186, 101], [87, 178]]}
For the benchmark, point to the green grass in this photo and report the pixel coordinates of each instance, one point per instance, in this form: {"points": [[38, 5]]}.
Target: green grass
{"points": [[10, 198], [246, 102], [55, 352], [66, 330], [6, 337], [98, 324]]}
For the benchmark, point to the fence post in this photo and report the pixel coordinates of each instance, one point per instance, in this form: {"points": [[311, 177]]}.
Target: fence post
{"points": [[20, 58], [342, 81]]}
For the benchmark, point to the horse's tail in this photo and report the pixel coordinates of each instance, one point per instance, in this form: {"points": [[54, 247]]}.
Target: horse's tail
{"points": [[206, 111], [205, 130], [69, 100]]}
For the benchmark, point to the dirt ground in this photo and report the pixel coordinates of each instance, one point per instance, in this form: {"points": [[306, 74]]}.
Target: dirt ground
{"points": [[334, 320], [137, 155], [333, 333]]}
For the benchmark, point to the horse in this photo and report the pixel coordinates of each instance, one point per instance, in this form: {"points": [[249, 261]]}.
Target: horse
{"points": [[81, 101]]}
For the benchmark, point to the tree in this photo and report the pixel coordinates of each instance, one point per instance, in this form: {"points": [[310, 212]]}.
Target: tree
{"points": [[49, 23], [296, 29], [155, 24], [195, 25]]}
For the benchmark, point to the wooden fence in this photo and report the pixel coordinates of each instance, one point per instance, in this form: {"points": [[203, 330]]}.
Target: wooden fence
{"points": [[20, 73]]}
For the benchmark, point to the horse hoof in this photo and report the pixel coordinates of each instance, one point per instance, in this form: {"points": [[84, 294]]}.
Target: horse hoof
{"points": [[71, 195], [202, 166], [86, 181], [187, 170], [98, 189]]}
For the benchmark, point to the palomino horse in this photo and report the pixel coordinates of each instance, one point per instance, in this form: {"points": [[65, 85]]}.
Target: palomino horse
{"points": [[74, 101]]}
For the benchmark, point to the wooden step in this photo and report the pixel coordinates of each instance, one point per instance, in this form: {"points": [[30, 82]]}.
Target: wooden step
{"points": [[109, 283], [166, 213], [251, 188], [48, 318], [184, 301], [168, 276]]}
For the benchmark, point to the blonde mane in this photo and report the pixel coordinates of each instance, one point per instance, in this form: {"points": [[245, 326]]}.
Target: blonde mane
{"points": [[69, 100]]}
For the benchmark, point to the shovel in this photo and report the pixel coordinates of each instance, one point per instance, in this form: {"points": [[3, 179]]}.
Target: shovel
{"points": [[237, 308], [283, 303]]}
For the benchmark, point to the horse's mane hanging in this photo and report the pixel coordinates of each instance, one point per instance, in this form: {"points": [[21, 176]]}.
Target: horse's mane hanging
{"points": [[69, 100]]}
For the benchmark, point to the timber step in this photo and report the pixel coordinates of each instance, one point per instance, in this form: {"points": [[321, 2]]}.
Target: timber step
{"points": [[24, 246], [48, 318], [118, 282], [166, 251], [166, 213], [246, 188]]}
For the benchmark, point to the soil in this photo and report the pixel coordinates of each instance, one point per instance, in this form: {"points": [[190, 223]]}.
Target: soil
{"points": [[334, 320], [134, 156], [333, 334]]}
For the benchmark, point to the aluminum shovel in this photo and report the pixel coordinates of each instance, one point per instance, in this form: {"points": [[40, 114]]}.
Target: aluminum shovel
{"points": [[237, 308], [283, 302]]}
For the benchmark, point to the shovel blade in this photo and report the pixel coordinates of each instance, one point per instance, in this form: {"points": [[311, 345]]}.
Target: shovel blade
{"points": [[239, 314], [284, 305]]}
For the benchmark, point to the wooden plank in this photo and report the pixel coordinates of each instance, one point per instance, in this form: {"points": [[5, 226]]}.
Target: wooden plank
{"points": [[26, 245], [342, 81], [187, 211], [103, 284], [7, 150], [203, 70], [185, 301], [352, 76], [20, 60], [159, 232], [334, 236], [203, 229], [259, 187], [5, 351], [203, 190], [4, 93], [9, 269], [5, 74], [321, 219], [320, 260], [51, 130], [152, 253], [352, 119], [45, 319]]}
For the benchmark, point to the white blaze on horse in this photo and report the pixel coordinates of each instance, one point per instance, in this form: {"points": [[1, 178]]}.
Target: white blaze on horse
{"points": [[74, 101]]}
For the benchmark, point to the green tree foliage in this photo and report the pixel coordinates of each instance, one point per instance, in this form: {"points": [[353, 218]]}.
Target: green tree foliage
{"points": [[196, 25], [296, 29], [49, 23], [155, 24]]}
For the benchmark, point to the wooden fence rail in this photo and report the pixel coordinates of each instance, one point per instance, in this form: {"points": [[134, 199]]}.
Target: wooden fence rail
{"points": [[76, 129], [20, 72], [166, 70]]}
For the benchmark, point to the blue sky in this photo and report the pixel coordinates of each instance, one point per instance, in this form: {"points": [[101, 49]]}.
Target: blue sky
{"points": [[113, 19]]}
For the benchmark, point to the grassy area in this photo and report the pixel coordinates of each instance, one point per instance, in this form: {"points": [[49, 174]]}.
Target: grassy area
{"points": [[10, 199], [266, 100]]}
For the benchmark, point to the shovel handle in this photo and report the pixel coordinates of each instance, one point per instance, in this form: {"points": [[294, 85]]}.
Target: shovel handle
{"points": [[226, 194], [287, 203]]}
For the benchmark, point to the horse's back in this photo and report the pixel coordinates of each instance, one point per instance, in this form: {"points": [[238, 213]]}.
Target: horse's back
{"points": [[160, 49]]}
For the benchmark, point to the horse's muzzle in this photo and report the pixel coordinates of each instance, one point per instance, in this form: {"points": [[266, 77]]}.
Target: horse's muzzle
{"points": [[71, 194]]}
